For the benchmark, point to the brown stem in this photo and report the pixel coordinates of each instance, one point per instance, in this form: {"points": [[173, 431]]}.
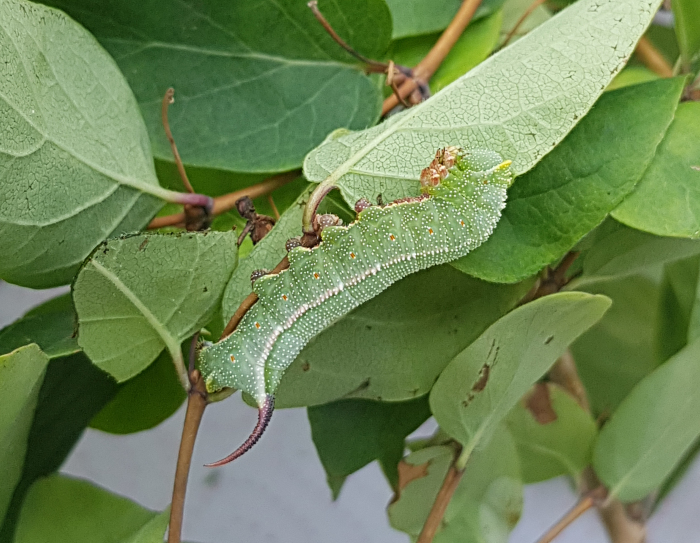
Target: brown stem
{"points": [[579, 509], [167, 100], [227, 202], [373, 65], [528, 12], [442, 500], [652, 58], [275, 212], [196, 403], [248, 303], [429, 65], [565, 374]]}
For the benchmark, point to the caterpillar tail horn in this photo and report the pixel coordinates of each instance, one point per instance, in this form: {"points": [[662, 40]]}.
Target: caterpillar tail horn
{"points": [[264, 416]]}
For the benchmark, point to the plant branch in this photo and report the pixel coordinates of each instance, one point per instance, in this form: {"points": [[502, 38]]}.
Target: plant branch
{"points": [[167, 100], [442, 500], [227, 202], [514, 30], [315, 199], [579, 509], [196, 403], [429, 65], [652, 58]]}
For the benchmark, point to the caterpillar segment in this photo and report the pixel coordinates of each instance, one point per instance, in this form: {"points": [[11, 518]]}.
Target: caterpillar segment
{"points": [[462, 196]]}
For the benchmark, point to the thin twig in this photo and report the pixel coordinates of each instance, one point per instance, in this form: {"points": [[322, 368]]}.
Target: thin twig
{"points": [[196, 403], [652, 58], [579, 509], [528, 12], [227, 202], [275, 212], [431, 62], [167, 100], [442, 500]]}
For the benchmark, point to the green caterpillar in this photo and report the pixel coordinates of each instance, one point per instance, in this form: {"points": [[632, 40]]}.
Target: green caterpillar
{"points": [[462, 196]]}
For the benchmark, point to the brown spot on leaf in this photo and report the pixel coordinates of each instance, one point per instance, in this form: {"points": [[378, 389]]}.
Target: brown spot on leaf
{"points": [[407, 474], [539, 404], [548, 340], [305, 366], [483, 378], [143, 244]]}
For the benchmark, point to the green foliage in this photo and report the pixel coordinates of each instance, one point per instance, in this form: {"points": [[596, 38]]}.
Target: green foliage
{"points": [[161, 287], [62, 510], [651, 429], [612, 176]]}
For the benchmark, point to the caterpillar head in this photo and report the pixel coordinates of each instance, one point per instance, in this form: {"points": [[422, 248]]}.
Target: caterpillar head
{"points": [[439, 168]]}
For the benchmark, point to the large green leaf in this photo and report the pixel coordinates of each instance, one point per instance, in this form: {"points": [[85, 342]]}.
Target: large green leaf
{"points": [[619, 351], [521, 102], [573, 188], [483, 383], [139, 294], [652, 429], [667, 200], [51, 326], [21, 375], [143, 401], [416, 17], [687, 15], [393, 347], [64, 510], [553, 434], [349, 434], [72, 392], [258, 84], [486, 505], [75, 162]]}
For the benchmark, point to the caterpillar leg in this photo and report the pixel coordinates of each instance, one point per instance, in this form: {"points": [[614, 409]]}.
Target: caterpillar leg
{"points": [[264, 415]]}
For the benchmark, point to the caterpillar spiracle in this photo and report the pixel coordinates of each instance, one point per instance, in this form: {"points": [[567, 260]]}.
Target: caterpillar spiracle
{"points": [[462, 196]]}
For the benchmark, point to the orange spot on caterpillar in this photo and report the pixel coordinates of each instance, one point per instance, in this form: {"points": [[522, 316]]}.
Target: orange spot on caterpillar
{"points": [[462, 223], [284, 297], [233, 359], [257, 325], [316, 275], [392, 237], [430, 231], [352, 255]]}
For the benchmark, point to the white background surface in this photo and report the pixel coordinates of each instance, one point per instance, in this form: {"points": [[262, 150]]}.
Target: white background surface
{"points": [[278, 492]]}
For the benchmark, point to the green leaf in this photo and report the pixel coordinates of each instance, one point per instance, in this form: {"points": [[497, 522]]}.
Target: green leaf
{"points": [[265, 255], [417, 17], [667, 199], [486, 505], [632, 75], [553, 434], [21, 375], [687, 19], [161, 288], [482, 384], [619, 251], [573, 189], [513, 10], [652, 429], [73, 391], [51, 326], [473, 46], [257, 85], [620, 350], [393, 347], [59, 509], [75, 162], [144, 401], [521, 102], [349, 434]]}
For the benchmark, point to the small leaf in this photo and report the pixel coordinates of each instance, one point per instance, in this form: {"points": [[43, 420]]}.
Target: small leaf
{"points": [[59, 508], [521, 102], [74, 154], [482, 384], [73, 391], [652, 429], [486, 505], [561, 445], [51, 326], [667, 200], [418, 17], [138, 294], [572, 190], [21, 375], [257, 84], [144, 401], [393, 347], [620, 350], [687, 25], [349, 434]]}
